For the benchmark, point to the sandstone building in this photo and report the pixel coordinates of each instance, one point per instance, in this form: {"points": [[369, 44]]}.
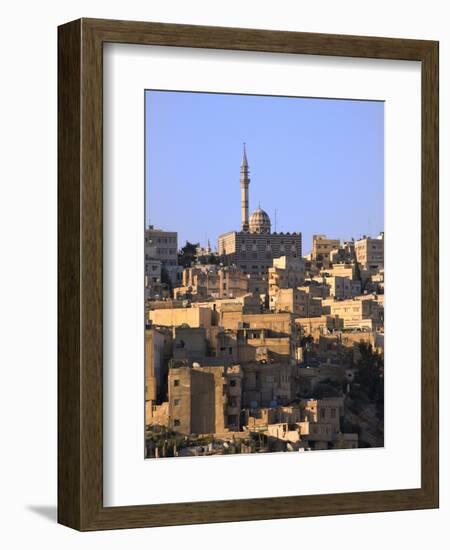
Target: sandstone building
{"points": [[256, 348], [370, 252], [204, 399], [322, 247], [201, 282]]}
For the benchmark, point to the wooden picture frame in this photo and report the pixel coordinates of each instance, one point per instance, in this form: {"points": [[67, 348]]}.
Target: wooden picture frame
{"points": [[80, 271]]}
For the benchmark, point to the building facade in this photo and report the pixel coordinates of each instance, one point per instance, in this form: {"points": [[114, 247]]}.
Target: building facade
{"points": [[153, 285], [202, 282], [204, 399], [163, 246], [154, 370], [370, 252], [322, 247]]}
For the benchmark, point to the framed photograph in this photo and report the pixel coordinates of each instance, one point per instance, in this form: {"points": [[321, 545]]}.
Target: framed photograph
{"points": [[248, 274]]}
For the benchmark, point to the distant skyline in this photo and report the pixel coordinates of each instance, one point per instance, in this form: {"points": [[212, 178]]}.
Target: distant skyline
{"points": [[318, 162]]}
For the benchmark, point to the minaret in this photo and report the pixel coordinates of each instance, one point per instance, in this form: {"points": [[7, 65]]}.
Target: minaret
{"points": [[245, 180]]}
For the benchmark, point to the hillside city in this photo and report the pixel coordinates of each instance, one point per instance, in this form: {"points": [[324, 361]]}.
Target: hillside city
{"points": [[255, 347]]}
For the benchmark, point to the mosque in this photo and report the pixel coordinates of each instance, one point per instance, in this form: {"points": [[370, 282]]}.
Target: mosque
{"points": [[254, 247]]}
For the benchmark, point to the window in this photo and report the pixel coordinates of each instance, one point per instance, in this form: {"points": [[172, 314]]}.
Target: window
{"points": [[176, 382], [233, 383], [322, 413], [333, 413], [176, 422], [176, 402]]}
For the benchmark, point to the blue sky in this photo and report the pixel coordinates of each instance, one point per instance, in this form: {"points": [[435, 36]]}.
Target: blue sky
{"points": [[318, 162]]}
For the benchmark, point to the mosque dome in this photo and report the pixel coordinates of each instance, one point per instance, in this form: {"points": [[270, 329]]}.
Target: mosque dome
{"points": [[259, 222]]}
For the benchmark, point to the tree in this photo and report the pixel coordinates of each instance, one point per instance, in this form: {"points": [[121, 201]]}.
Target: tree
{"points": [[209, 259], [369, 373], [165, 279], [306, 340], [327, 388], [188, 254]]}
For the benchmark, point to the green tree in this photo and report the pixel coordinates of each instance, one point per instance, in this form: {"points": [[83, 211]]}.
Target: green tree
{"points": [[165, 279], [188, 254], [327, 388], [369, 373]]}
